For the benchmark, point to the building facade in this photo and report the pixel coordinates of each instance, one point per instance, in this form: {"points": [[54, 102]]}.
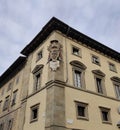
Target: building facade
{"points": [[64, 81]]}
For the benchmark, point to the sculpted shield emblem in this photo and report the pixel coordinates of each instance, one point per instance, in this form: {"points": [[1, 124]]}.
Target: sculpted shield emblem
{"points": [[55, 56]]}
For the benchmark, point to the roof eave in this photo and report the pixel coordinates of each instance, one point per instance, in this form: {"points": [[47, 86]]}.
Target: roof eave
{"points": [[55, 24]]}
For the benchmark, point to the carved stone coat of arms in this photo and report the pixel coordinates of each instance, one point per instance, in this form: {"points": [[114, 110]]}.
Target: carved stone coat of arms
{"points": [[55, 54]]}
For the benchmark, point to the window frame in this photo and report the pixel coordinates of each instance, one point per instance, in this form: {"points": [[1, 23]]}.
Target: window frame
{"points": [[108, 110], [81, 78], [10, 124], [113, 68], [6, 103], [116, 82], [0, 105], [2, 91], [14, 97], [85, 106], [9, 86], [36, 87], [80, 67], [37, 71], [97, 59], [99, 75], [17, 79], [39, 55], [36, 106], [79, 51], [2, 124], [117, 86], [99, 84]]}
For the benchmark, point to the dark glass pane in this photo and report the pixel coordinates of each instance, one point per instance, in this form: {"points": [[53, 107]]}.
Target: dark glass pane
{"points": [[105, 115], [75, 51], [99, 85], [81, 111], [35, 113]]}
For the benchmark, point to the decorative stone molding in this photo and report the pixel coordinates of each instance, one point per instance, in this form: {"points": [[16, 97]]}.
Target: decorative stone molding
{"points": [[78, 64], [116, 79], [98, 72], [37, 68], [55, 54]]}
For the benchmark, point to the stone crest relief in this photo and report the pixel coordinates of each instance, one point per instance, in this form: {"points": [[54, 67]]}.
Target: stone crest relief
{"points": [[55, 54]]}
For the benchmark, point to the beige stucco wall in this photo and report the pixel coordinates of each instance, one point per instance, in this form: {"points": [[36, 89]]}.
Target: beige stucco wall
{"points": [[94, 115], [13, 111], [40, 123], [93, 100], [14, 88], [86, 60]]}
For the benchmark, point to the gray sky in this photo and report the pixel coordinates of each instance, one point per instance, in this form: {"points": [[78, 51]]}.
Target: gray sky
{"points": [[21, 20]]}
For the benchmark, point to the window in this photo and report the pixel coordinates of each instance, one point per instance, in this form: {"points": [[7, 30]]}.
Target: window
{"points": [[117, 88], [17, 79], [14, 98], [112, 67], [34, 113], [77, 78], [6, 103], [37, 81], [2, 126], [99, 81], [78, 74], [116, 84], [99, 85], [37, 77], [39, 55], [105, 114], [95, 60], [2, 91], [9, 86], [76, 51], [82, 110], [0, 105], [10, 122]]}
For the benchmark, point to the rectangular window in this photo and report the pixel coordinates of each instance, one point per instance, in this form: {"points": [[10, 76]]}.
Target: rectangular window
{"points": [[2, 126], [9, 86], [10, 122], [2, 91], [117, 88], [0, 105], [37, 75], [82, 110], [37, 83], [112, 67], [17, 79], [76, 51], [105, 113], [34, 113], [99, 77], [6, 103], [39, 55], [14, 98], [99, 85], [77, 78], [95, 60]]}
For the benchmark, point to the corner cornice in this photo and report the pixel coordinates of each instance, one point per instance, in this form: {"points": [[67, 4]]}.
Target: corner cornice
{"points": [[55, 24]]}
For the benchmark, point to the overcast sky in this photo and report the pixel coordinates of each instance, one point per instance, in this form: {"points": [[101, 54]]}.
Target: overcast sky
{"points": [[21, 20]]}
